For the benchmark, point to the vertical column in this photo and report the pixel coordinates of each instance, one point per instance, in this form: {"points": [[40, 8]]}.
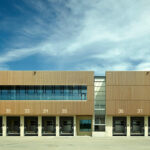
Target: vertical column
{"points": [[146, 125], [93, 124], [109, 125], [128, 126], [74, 126], [39, 126], [57, 125], [21, 125], [4, 125]]}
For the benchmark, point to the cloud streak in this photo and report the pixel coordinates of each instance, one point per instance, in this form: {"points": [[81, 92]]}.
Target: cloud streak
{"points": [[82, 35]]}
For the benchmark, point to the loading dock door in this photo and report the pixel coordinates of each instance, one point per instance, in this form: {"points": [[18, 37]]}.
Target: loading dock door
{"points": [[13, 126], [66, 126], [48, 126], [119, 126], [137, 126], [31, 126]]}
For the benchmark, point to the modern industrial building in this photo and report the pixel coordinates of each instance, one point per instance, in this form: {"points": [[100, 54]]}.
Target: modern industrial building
{"points": [[74, 103]]}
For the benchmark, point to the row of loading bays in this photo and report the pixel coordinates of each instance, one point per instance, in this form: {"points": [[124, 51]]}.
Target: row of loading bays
{"points": [[66, 126], [48, 126], [136, 126], [31, 126]]}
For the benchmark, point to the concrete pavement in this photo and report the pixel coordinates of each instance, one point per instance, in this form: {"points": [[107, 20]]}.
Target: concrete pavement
{"points": [[74, 143]]}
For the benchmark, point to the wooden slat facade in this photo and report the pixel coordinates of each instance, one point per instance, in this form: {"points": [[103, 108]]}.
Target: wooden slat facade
{"points": [[128, 93], [48, 107]]}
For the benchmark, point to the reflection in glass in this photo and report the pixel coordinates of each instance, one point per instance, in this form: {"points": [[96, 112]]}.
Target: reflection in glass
{"points": [[43, 92], [85, 125]]}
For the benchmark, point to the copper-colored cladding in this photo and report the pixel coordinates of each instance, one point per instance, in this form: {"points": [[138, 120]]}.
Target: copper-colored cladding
{"points": [[48, 107], [128, 93]]}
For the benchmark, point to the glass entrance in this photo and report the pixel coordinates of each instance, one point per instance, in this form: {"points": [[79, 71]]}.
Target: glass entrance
{"points": [[13, 126], [0, 126], [31, 126], [137, 126], [48, 126], [66, 126], [119, 126]]}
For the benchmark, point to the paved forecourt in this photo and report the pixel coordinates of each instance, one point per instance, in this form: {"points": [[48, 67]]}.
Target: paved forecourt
{"points": [[74, 143]]}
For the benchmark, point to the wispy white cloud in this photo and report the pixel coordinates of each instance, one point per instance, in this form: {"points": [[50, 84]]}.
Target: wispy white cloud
{"points": [[85, 35], [145, 66], [14, 55]]}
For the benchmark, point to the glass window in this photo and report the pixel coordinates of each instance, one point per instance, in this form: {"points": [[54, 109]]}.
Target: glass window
{"points": [[75, 90], [99, 123], [30, 92], [99, 119], [62, 90], [79, 89], [100, 104], [12, 92], [84, 89], [70, 92], [4, 93], [85, 125], [57, 90], [43, 92], [21, 95]]}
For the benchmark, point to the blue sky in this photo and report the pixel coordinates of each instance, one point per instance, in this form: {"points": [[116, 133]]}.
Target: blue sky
{"points": [[97, 35]]}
